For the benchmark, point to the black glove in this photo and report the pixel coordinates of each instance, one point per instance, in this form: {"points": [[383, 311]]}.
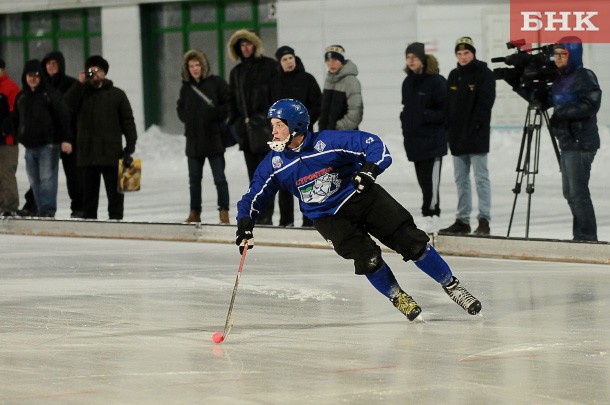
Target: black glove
{"points": [[365, 177], [127, 161], [245, 226]]}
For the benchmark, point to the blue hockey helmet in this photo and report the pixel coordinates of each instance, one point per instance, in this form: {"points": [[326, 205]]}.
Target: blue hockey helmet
{"points": [[293, 113]]}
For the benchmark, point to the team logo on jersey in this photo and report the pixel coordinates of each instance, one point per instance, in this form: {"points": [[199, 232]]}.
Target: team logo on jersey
{"points": [[277, 162], [369, 140], [320, 189], [320, 146]]}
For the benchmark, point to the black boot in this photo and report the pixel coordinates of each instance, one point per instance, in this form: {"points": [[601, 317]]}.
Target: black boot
{"points": [[483, 228], [458, 227]]}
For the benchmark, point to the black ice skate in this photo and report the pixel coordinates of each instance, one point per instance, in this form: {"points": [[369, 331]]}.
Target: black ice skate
{"points": [[407, 305], [462, 297]]}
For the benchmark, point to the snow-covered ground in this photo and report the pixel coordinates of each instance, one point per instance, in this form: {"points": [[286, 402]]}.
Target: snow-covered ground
{"points": [[164, 196]]}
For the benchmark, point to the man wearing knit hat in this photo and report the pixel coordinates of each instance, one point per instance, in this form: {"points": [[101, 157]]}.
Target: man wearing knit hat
{"points": [[104, 116], [342, 95], [295, 83], [471, 95]]}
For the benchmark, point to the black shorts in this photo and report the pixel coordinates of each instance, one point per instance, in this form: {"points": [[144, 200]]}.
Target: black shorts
{"points": [[374, 213]]}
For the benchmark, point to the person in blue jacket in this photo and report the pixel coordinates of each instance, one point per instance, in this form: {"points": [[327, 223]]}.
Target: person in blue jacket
{"points": [[576, 98], [333, 174]]}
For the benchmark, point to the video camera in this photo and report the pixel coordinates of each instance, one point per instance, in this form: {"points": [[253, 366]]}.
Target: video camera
{"points": [[533, 69]]}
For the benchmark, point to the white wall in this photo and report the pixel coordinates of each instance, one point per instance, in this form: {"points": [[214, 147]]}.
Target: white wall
{"points": [[374, 35], [122, 48]]}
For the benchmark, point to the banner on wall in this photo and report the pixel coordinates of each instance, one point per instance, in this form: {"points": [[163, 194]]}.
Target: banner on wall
{"points": [[546, 21]]}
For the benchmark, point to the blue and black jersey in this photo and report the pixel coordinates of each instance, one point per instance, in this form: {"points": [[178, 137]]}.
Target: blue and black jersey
{"points": [[319, 174]]}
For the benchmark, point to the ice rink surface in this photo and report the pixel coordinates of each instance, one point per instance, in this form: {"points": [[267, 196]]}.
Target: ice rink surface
{"points": [[102, 321]]}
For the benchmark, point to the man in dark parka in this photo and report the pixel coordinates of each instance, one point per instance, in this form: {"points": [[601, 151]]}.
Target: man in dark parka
{"points": [[104, 116]]}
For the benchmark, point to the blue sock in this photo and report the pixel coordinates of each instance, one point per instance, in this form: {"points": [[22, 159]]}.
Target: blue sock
{"points": [[384, 281], [433, 265]]}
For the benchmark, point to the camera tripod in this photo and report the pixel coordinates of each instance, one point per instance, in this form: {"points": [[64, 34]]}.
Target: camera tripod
{"points": [[529, 158]]}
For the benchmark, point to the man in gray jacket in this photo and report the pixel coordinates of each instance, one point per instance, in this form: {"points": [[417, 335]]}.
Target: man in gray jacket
{"points": [[342, 96]]}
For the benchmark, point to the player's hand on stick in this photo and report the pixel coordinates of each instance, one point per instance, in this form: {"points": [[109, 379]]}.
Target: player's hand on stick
{"points": [[365, 177], [245, 226]]}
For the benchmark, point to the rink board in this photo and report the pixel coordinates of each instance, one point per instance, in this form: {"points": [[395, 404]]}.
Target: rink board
{"points": [[469, 246]]}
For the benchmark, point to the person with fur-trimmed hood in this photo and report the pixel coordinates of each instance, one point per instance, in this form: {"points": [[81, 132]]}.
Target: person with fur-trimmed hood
{"points": [[250, 83], [202, 105], [424, 99], [342, 106]]}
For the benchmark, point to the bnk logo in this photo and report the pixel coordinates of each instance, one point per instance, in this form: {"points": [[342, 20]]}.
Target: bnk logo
{"points": [[547, 21], [559, 21]]}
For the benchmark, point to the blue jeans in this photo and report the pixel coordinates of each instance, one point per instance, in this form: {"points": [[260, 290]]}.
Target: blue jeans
{"points": [[42, 166], [217, 164], [461, 170], [575, 174]]}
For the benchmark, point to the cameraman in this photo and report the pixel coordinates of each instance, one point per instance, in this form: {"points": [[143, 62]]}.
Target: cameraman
{"points": [[576, 97], [103, 115]]}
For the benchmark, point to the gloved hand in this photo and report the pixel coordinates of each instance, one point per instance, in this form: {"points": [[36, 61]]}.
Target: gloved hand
{"points": [[365, 177], [245, 226], [127, 161]]}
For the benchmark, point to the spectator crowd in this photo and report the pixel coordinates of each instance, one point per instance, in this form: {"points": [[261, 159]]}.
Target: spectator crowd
{"points": [[88, 124]]}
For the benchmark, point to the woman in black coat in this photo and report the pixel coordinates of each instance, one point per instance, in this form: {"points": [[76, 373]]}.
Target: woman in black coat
{"points": [[424, 96], [294, 82], [202, 106]]}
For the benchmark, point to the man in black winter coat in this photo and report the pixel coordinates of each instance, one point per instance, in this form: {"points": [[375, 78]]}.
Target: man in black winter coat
{"points": [[42, 124], [471, 95], [104, 116], [295, 83], [54, 71], [250, 83], [424, 98]]}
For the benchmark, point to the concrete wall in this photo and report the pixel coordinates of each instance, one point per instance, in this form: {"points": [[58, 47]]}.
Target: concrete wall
{"points": [[123, 50], [374, 35]]}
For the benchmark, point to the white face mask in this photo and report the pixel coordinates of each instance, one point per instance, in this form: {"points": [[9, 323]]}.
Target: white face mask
{"points": [[279, 146]]}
